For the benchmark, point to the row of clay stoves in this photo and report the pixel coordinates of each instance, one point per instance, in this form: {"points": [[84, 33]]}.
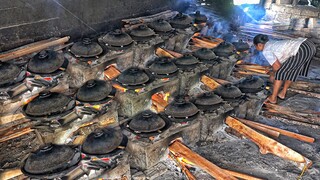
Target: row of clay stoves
{"points": [[107, 120]]}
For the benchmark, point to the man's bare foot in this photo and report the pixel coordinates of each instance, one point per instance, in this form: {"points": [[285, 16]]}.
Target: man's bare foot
{"points": [[271, 100]]}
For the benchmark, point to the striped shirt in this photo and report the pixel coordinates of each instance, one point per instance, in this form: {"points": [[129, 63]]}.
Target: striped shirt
{"points": [[281, 50]]}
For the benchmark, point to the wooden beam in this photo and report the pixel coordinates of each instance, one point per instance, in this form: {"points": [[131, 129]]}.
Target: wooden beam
{"points": [[268, 145], [281, 131], [36, 47], [178, 148]]}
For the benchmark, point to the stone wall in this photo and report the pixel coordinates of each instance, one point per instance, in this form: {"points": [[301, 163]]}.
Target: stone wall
{"points": [[24, 21]]}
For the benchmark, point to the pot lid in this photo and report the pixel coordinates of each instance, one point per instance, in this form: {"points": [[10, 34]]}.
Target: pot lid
{"points": [[251, 82], [94, 90], [180, 108], [199, 18], [186, 60], [48, 103], [102, 141], [86, 48], [161, 25], [117, 38], [181, 21], [224, 49], [46, 61], [241, 46], [228, 91], [146, 121], [142, 31], [205, 54], [163, 66], [51, 159], [8, 73], [133, 76], [208, 99]]}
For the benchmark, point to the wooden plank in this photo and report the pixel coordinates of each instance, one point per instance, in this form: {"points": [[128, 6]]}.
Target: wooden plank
{"points": [[268, 145], [281, 131], [178, 148]]}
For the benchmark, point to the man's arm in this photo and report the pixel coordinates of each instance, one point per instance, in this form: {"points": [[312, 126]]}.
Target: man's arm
{"points": [[276, 65]]}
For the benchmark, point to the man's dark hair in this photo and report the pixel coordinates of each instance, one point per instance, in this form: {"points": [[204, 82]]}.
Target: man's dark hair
{"points": [[260, 38]]}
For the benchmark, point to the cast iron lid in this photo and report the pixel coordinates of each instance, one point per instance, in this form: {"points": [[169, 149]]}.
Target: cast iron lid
{"points": [[228, 91], [117, 38], [142, 31], [180, 108], [199, 18], [51, 159], [186, 61], [86, 48], [181, 21], [241, 46], [205, 54], [94, 91], [102, 141], [134, 77], [146, 121], [224, 49], [208, 99], [251, 83], [45, 62], [163, 66], [161, 25], [49, 103], [8, 73]]}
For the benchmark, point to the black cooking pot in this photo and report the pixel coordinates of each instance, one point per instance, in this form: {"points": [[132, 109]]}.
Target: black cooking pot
{"points": [[86, 48], [10, 74], [51, 161], [94, 91], [224, 49], [117, 38], [251, 84], [45, 62]]}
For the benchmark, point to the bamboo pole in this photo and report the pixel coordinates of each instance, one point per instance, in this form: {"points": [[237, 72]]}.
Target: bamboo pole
{"points": [[32, 49]]}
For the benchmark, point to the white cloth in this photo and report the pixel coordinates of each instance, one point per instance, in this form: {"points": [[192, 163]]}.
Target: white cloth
{"points": [[281, 49]]}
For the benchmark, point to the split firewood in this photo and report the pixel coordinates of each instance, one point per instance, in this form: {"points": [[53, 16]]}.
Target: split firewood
{"points": [[111, 72], [311, 118], [16, 134], [163, 53], [281, 131], [209, 82], [251, 69], [312, 94], [10, 174], [159, 102], [178, 149], [183, 168], [252, 66], [162, 15], [306, 86], [10, 118], [221, 81], [268, 145], [270, 132], [175, 54], [248, 73], [32, 49], [241, 175], [201, 42]]}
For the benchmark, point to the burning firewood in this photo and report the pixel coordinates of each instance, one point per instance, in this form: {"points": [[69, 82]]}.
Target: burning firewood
{"points": [[159, 101], [178, 148], [280, 131], [268, 145], [32, 48], [175, 54], [186, 155], [183, 168]]}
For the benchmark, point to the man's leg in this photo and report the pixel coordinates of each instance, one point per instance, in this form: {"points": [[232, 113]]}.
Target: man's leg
{"points": [[276, 87], [283, 92]]}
